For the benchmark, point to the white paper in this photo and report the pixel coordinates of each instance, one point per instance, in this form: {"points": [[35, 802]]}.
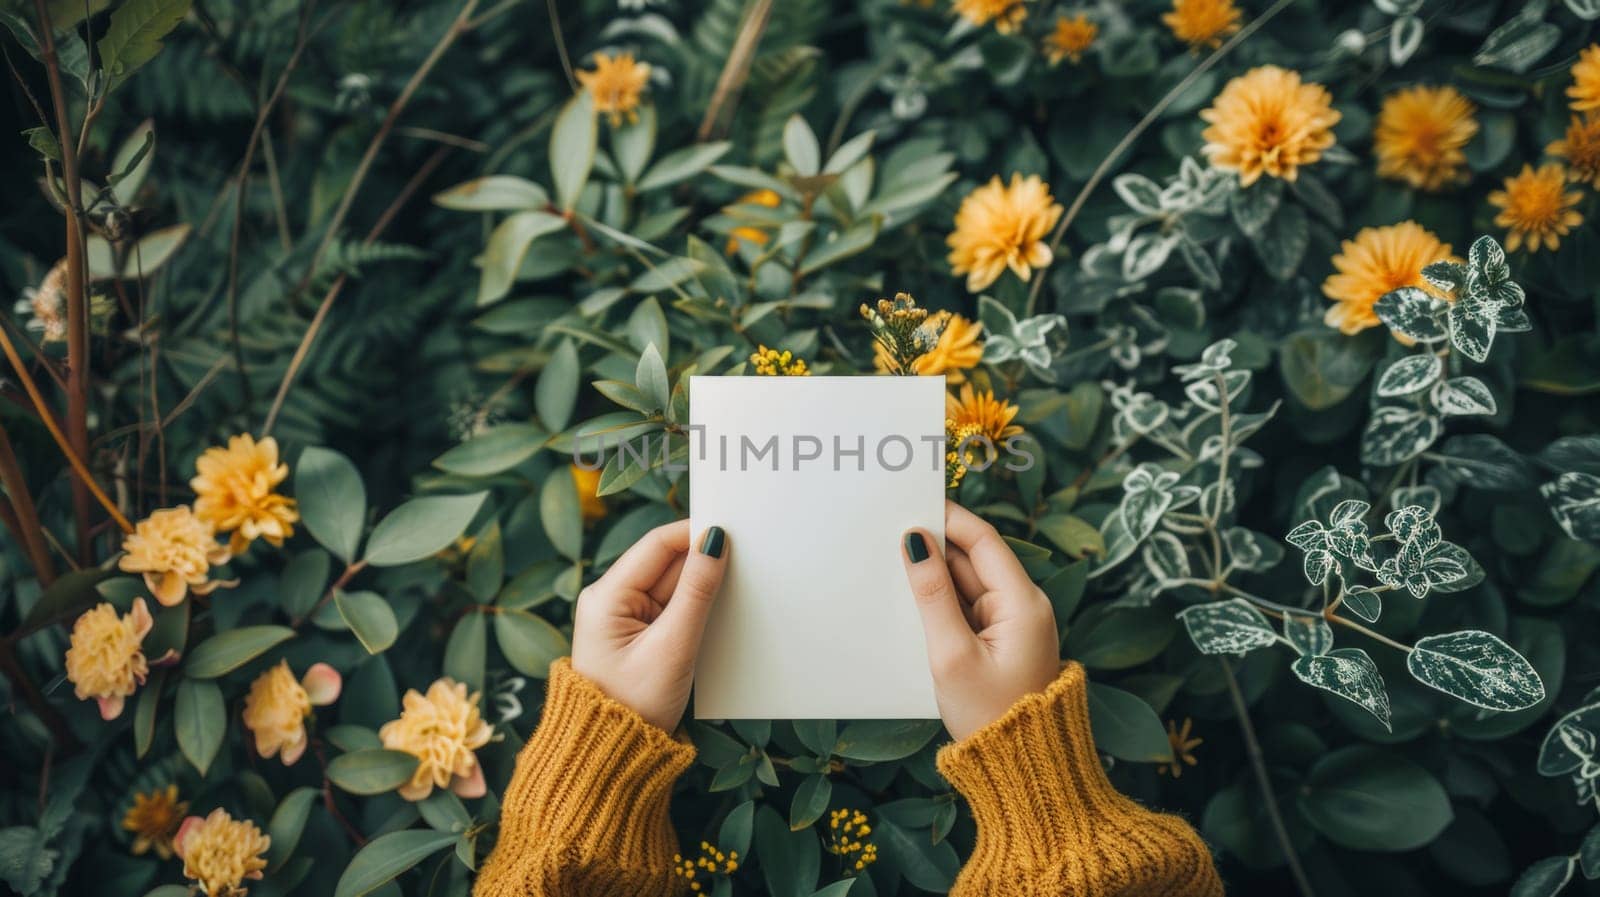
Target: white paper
{"points": [[815, 619]]}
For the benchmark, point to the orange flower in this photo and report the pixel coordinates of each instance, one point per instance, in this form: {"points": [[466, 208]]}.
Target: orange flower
{"points": [[1202, 23], [1581, 148], [233, 489], [1182, 748], [615, 85], [590, 504], [1584, 93], [1070, 39], [1378, 261], [992, 416], [1536, 208], [220, 853], [1268, 122], [154, 819], [1421, 135], [1002, 226], [766, 199], [1007, 15]]}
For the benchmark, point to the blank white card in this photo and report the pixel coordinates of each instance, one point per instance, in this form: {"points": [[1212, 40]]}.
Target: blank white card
{"points": [[815, 480]]}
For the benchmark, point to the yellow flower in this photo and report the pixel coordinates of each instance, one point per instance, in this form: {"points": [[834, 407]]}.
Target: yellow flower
{"points": [[767, 199], [712, 862], [219, 853], [1378, 261], [1182, 747], [1071, 37], [1585, 90], [441, 729], [1581, 148], [106, 658], [615, 85], [154, 819], [1267, 122], [847, 839], [956, 350], [999, 227], [960, 448], [1202, 23], [1536, 209], [1421, 134], [233, 492], [1007, 15], [772, 363], [277, 706], [175, 550], [590, 504], [992, 416]]}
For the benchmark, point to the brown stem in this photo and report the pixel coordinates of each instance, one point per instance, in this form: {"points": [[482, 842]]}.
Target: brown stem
{"points": [[77, 288], [737, 69], [1259, 765], [29, 531], [23, 685]]}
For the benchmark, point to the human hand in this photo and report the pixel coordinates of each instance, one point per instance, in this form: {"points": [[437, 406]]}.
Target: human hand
{"points": [[991, 632], [637, 628]]}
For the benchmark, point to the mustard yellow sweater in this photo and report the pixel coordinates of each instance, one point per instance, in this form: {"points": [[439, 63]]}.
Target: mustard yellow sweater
{"points": [[586, 812]]}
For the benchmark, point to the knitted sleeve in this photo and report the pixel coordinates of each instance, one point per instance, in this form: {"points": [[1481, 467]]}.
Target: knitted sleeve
{"points": [[1050, 823], [586, 812]]}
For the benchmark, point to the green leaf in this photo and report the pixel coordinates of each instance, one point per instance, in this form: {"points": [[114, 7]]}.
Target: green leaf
{"points": [[229, 650], [495, 193], [288, 823], [529, 642], [1252, 207], [1074, 535], [1367, 798], [666, 275], [144, 715], [1412, 312], [1116, 638], [1283, 242], [508, 243], [876, 741], [496, 450], [1476, 667], [810, 801], [800, 147], [1322, 367], [1350, 674], [71, 594], [1516, 45], [734, 835], [1125, 727], [650, 378], [632, 143], [371, 772], [421, 528], [1410, 374], [1395, 435], [561, 515], [790, 861], [385, 857], [926, 865], [465, 652], [199, 719], [1227, 627], [134, 35], [556, 392], [332, 500], [682, 165], [841, 246], [370, 617], [1545, 878], [572, 148], [304, 578]]}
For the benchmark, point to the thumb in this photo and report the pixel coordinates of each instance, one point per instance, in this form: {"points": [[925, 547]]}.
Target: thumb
{"points": [[943, 623], [698, 584]]}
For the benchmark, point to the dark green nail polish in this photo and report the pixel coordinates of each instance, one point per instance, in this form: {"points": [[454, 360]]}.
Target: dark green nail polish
{"points": [[711, 544], [916, 547]]}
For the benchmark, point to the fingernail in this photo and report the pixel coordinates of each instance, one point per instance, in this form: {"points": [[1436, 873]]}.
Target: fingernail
{"points": [[711, 543], [916, 547]]}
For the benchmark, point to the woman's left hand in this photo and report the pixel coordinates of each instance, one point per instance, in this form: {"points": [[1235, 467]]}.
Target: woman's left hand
{"points": [[637, 628]]}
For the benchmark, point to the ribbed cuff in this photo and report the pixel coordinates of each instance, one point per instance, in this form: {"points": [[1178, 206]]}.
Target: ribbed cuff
{"points": [[595, 777]]}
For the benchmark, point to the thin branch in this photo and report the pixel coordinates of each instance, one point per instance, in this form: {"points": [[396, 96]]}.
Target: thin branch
{"points": [[28, 530], [737, 69], [1128, 139], [1259, 765], [561, 44]]}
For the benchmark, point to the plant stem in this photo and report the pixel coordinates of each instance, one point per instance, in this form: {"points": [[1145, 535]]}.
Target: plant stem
{"points": [[77, 288], [29, 529], [737, 69], [1258, 765], [52, 718], [1375, 636], [1128, 139]]}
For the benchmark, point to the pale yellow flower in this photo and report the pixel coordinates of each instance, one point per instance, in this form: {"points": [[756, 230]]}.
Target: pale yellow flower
{"points": [[220, 853], [1070, 39], [1581, 148], [234, 492], [1007, 15], [1536, 209], [441, 729], [1584, 94], [590, 505], [1422, 135], [615, 84], [106, 658], [175, 550], [992, 416], [1379, 260], [1202, 23], [154, 819], [1002, 226], [277, 706], [1268, 122]]}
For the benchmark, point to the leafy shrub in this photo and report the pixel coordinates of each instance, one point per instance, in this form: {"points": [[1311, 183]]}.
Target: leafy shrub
{"points": [[1295, 303]]}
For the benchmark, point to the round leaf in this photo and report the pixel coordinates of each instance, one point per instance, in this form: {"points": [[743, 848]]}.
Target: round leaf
{"points": [[371, 772], [370, 617], [332, 500], [1366, 798]]}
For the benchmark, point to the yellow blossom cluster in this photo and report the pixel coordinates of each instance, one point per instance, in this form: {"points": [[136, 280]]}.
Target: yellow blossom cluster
{"points": [[442, 729], [1422, 134], [175, 550], [847, 839], [773, 363], [616, 84], [956, 349], [711, 862], [220, 853], [1007, 15]]}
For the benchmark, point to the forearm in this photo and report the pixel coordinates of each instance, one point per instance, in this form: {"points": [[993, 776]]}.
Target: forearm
{"points": [[586, 811], [1050, 823]]}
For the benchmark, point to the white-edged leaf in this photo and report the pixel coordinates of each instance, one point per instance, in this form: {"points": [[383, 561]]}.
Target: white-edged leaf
{"points": [[1478, 668], [1227, 627], [1350, 674], [1410, 374]]}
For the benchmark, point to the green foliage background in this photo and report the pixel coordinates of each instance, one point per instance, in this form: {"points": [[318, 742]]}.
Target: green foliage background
{"points": [[455, 359]]}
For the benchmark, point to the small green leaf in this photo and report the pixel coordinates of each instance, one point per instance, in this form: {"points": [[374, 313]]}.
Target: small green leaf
{"points": [[800, 147], [1227, 627], [372, 771], [1125, 727], [1367, 798], [134, 35], [1350, 674], [556, 392], [529, 642], [561, 515], [421, 527], [228, 650], [494, 451], [572, 148], [386, 857], [508, 243], [200, 719], [495, 193], [370, 617], [332, 500], [876, 741], [810, 801]]}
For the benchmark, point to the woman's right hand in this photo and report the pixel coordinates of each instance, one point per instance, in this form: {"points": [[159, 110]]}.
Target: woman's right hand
{"points": [[991, 632]]}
